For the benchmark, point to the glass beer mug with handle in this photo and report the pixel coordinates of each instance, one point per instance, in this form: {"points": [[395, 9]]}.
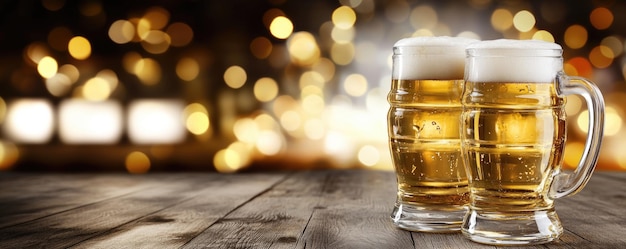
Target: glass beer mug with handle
{"points": [[513, 134], [423, 127]]}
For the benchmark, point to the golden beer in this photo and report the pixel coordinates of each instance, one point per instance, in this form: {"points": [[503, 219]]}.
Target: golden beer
{"points": [[423, 127], [513, 136], [425, 144], [514, 140]]}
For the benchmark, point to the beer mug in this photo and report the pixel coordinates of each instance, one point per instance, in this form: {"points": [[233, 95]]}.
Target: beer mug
{"points": [[423, 127], [513, 134]]}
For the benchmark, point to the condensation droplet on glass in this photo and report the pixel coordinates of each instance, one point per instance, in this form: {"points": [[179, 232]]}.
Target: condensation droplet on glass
{"points": [[434, 123]]}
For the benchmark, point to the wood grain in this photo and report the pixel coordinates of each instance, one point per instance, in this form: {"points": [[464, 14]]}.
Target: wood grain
{"points": [[303, 209]]}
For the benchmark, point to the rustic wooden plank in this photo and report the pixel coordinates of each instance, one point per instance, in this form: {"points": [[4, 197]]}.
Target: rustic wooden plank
{"points": [[174, 226], [26, 197], [274, 219], [77, 225], [596, 214], [355, 213]]}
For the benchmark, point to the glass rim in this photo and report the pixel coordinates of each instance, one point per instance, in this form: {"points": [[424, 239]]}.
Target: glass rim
{"points": [[514, 52]]}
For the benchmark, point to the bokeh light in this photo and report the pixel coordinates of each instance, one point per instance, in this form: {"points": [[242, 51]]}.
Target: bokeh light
{"points": [[29, 121], [137, 163], [575, 36], [235, 76], [601, 18], [524, 21], [79, 47], [232, 91], [281, 27]]}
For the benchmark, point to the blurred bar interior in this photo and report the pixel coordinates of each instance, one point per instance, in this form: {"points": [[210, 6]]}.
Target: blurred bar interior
{"points": [[228, 86]]}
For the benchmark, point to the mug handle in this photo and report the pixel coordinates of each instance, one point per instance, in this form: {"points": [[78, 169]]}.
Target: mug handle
{"points": [[565, 184]]}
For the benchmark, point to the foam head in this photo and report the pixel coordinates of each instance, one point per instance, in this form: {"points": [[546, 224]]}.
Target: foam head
{"points": [[430, 58], [507, 60]]}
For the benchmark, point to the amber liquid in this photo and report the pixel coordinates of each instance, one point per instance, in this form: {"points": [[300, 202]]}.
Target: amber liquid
{"points": [[513, 137], [424, 122]]}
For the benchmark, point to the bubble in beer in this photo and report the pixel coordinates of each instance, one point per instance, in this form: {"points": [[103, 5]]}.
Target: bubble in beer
{"points": [[507, 60], [433, 58]]}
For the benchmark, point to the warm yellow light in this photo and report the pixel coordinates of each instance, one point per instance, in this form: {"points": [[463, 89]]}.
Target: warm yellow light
{"points": [[36, 51], [524, 21], [368, 155], [265, 89], [143, 27], [70, 71], [303, 48], [187, 69], [342, 35], [572, 154], [235, 77], [575, 36], [156, 121], [79, 48], [314, 129], [231, 159], [3, 109], [58, 85], [157, 16], [543, 35], [180, 33], [29, 121], [601, 56], [601, 18], [501, 19], [281, 27], [282, 104], [156, 42], [343, 17], [137, 163], [96, 89], [614, 43], [313, 103], [269, 142], [9, 154], [148, 71], [325, 67], [342, 54], [47, 67], [355, 85], [612, 121], [311, 78], [582, 67], [290, 120], [246, 130], [197, 123], [121, 31], [90, 122]]}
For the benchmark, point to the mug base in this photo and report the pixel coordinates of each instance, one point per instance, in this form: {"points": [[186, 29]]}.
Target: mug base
{"points": [[422, 219], [512, 228]]}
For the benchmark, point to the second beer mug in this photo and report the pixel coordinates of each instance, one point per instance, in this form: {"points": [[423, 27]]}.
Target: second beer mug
{"points": [[425, 96], [513, 135]]}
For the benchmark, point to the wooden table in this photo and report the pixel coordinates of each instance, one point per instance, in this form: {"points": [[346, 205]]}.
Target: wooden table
{"points": [[302, 209]]}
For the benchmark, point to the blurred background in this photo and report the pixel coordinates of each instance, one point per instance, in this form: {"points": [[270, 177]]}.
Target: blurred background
{"points": [[228, 86]]}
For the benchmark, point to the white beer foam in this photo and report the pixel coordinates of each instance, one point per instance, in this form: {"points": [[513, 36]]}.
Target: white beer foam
{"points": [[432, 58], [507, 60]]}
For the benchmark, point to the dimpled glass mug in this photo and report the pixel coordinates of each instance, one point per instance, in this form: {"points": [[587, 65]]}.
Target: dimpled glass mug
{"points": [[423, 126], [513, 134]]}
